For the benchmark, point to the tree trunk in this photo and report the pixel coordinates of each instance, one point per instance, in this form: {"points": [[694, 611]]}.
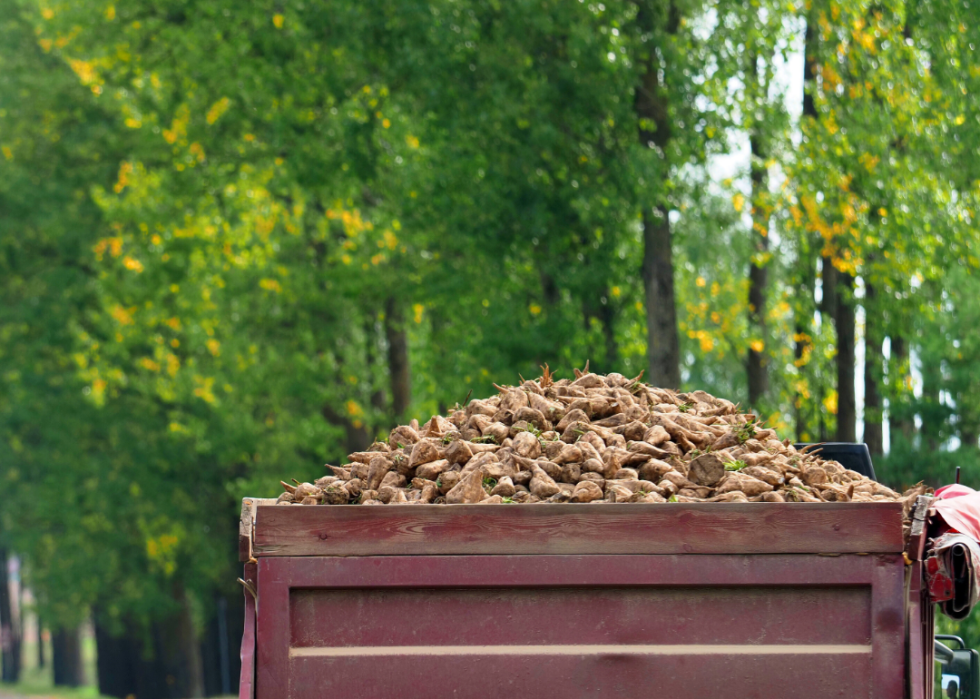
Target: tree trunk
{"points": [[846, 400], [398, 364], [378, 397], [931, 408], [607, 316], [901, 428], [9, 636], [829, 280], [811, 46], [42, 660], [113, 661], [663, 343], [873, 371], [969, 434], [605, 313], [801, 345], [357, 437], [806, 262], [652, 108], [757, 363], [188, 654], [66, 657]]}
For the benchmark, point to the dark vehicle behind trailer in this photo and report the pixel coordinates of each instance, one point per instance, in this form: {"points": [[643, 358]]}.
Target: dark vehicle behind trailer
{"points": [[632, 600]]}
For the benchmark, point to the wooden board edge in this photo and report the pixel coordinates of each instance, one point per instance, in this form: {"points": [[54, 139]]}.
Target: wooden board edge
{"points": [[917, 539], [246, 526], [594, 507]]}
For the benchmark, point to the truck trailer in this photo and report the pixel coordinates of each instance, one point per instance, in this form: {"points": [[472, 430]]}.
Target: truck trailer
{"points": [[590, 600]]}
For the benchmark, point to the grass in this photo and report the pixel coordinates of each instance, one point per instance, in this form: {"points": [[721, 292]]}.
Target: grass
{"points": [[37, 681]]}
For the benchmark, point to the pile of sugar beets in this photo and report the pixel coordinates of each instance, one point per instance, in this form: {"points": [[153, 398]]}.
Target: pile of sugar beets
{"points": [[592, 439]]}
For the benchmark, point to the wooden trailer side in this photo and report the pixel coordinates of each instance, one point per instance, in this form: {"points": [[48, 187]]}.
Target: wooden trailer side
{"points": [[599, 600]]}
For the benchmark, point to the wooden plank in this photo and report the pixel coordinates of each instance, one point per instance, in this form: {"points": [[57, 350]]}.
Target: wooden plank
{"points": [[246, 525], [245, 530], [920, 517], [246, 681], [583, 672], [915, 655], [888, 626], [692, 528], [635, 615], [272, 672], [592, 625], [392, 572]]}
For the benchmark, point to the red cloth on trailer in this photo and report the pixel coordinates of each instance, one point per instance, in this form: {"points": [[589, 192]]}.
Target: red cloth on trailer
{"points": [[959, 506]]}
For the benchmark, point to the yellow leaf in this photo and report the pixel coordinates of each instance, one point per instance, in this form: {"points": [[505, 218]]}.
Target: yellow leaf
{"points": [[132, 264], [830, 403], [278, 20], [217, 109], [122, 315], [535, 309], [418, 309], [738, 201], [757, 345]]}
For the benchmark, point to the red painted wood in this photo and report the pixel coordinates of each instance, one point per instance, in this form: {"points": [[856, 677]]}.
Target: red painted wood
{"points": [[921, 636], [687, 528], [272, 648], [589, 673], [583, 600], [888, 626], [928, 642], [580, 615], [569, 571], [246, 684], [619, 626], [399, 530]]}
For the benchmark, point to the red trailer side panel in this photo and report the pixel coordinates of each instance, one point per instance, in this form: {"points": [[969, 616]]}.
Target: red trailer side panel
{"points": [[732, 624]]}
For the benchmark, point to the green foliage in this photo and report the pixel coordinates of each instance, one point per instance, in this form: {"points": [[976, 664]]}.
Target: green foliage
{"points": [[239, 231]]}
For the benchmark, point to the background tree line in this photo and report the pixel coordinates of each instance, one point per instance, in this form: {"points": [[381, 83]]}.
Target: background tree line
{"points": [[240, 240]]}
